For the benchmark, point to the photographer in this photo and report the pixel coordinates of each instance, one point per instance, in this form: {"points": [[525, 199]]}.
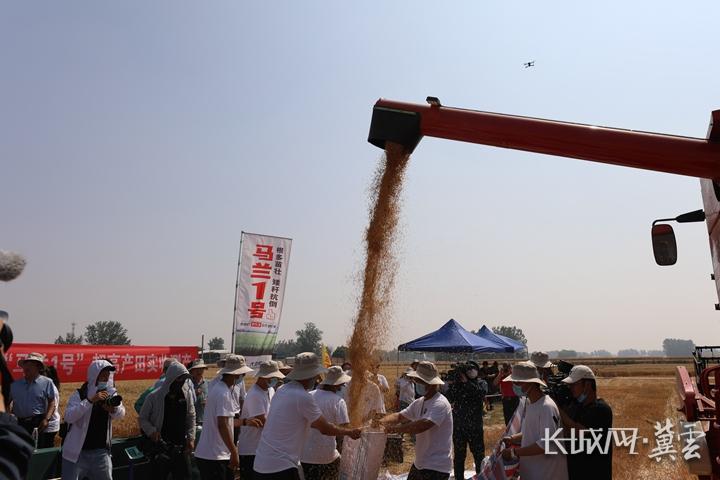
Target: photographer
{"points": [[466, 394], [89, 414], [168, 418], [587, 412]]}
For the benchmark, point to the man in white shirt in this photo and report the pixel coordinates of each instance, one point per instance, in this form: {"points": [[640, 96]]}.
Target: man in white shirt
{"points": [[320, 459], [216, 455], [404, 390], [430, 419], [256, 407], [541, 416], [292, 412]]}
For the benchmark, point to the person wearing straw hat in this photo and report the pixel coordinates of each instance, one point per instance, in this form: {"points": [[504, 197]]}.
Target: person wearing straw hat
{"points": [[320, 459], [430, 419], [254, 414], [33, 399], [587, 412], [541, 419], [216, 454], [200, 386], [293, 411], [542, 362]]}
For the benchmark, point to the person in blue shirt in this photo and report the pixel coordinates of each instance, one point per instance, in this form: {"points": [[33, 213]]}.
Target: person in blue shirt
{"points": [[33, 399]]}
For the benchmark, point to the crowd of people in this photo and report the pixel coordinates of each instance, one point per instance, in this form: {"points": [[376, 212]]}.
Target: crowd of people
{"points": [[292, 420]]}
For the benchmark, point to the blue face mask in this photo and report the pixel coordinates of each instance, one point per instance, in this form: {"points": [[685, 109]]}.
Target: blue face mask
{"points": [[519, 391], [420, 389], [240, 380], [582, 397], [102, 386], [272, 382]]}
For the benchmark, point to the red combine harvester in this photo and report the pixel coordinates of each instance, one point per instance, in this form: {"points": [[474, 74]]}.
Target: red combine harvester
{"points": [[406, 124]]}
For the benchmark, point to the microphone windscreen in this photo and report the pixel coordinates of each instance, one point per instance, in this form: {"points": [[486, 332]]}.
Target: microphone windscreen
{"points": [[11, 265]]}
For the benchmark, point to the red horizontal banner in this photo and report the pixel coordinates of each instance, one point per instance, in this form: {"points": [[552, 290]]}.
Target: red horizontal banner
{"points": [[72, 361]]}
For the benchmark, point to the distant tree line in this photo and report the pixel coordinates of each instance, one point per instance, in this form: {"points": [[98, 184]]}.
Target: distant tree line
{"points": [[98, 333]]}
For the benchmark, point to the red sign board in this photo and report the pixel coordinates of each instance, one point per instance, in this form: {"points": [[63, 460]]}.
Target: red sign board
{"points": [[72, 361]]}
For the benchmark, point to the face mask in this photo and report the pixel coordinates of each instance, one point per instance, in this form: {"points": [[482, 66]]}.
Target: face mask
{"points": [[519, 391], [102, 386], [272, 382], [582, 397], [472, 373], [420, 388], [240, 380]]}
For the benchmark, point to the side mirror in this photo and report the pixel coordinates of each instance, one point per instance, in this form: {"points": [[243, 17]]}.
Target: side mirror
{"points": [[664, 245]]}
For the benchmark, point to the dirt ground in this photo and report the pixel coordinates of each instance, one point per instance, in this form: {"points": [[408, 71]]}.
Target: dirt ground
{"points": [[637, 402]]}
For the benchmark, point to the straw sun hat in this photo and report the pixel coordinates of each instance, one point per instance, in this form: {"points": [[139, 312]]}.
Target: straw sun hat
{"points": [[524, 372], [427, 372]]}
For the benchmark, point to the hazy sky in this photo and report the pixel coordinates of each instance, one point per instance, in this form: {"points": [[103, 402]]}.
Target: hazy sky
{"points": [[138, 139]]}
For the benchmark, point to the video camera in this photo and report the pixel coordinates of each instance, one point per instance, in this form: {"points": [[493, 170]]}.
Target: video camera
{"points": [[453, 375], [556, 388], [113, 401]]}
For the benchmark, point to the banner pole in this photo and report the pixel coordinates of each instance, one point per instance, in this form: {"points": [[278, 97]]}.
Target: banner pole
{"points": [[237, 284]]}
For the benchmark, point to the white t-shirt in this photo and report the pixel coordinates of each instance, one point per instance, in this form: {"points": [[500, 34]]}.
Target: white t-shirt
{"points": [[291, 412], [220, 403], [406, 390], [382, 381], [319, 448], [538, 416], [257, 402], [433, 447], [54, 423]]}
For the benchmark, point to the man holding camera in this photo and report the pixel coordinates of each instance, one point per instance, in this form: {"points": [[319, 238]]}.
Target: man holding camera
{"points": [[89, 414], [34, 400], [587, 413], [168, 418], [466, 394]]}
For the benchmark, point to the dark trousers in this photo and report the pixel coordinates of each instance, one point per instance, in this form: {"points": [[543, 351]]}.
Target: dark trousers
{"points": [[246, 467], [470, 436], [322, 471], [426, 474], [46, 440], [289, 474], [214, 469], [177, 465], [509, 406]]}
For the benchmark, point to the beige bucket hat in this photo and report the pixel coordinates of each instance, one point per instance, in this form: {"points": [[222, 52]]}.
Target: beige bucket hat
{"points": [[427, 372], [541, 360], [335, 376], [269, 369], [579, 372], [524, 372], [198, 363], [307, 365], [235, 365], [32, 357]]}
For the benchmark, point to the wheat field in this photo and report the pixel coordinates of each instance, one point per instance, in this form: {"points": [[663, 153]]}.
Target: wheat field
{"points": [[639, 395]]}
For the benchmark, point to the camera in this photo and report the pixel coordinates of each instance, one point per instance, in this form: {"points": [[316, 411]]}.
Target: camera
{"points": [[113, 401], [556, 388]]}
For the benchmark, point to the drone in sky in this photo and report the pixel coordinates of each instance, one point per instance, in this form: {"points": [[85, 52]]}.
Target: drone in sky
{"points": [[529, 64]]}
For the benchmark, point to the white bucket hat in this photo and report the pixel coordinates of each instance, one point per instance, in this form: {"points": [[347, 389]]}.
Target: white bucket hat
{"points": [[524, 372], [541, 360], [427, 372], [235, 365], [269, 369], [34, 357], [198, 363], [307, 365], [336, 376], [579, 372]]}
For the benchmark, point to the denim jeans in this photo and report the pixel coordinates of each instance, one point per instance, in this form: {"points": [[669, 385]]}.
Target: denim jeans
{"points": [[93, 464]]}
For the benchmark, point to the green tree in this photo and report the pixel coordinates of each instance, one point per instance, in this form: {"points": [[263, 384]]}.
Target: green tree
{"points": [[340, 352], [286, 348], [106, 333], [309, 339], [216, 343], [68, 339], [675, 347], [567, 354], [511, 332]]}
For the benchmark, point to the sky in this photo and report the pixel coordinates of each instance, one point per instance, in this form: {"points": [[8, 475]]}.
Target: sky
{"points": [[138, 140]]}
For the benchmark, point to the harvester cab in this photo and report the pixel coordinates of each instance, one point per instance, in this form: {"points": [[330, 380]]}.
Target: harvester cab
{"points": [[405, 124]]}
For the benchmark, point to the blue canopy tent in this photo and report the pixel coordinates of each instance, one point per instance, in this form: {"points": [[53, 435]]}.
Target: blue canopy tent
{"points": [[488, 334], [452, 337]]}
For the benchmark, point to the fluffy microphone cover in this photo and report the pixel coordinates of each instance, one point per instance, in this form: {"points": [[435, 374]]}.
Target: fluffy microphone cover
{"points": [[11, 265]]}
